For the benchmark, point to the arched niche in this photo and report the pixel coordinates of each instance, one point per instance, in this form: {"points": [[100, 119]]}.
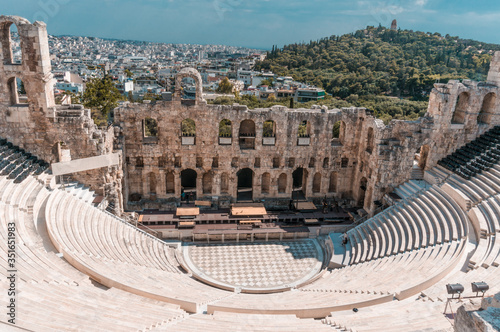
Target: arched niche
{"points": [[193, 74], [487, 108], [461, 108]]}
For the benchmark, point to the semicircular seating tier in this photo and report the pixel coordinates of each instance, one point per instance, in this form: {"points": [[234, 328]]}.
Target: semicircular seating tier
{"points": [[46, 285], [396, 265]]}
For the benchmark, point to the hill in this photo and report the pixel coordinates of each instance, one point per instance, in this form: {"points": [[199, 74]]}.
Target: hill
{"points": [[376, 61]]}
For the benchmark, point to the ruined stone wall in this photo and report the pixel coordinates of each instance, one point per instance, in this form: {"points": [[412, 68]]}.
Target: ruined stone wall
{"points": [[166, 154], [36, 124], [368, 160]]}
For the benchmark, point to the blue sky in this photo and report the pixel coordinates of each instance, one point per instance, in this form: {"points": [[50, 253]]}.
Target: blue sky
{"points": [[255, 23]]}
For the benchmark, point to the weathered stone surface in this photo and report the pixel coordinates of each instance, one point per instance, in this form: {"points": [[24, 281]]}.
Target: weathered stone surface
{"points": [[41, 127], [366, 161]]}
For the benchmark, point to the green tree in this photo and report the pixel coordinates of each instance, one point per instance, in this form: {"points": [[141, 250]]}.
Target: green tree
{"points": [[101, 95], [225, 86], [268, 82], [128, 73]]}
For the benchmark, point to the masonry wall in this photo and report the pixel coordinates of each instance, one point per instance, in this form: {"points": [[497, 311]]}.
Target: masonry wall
{"points": [[368, 160], [37, 124]]}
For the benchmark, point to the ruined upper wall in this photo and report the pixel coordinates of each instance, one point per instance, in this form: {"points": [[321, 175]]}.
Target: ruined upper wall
{"points": [[35, 123], [34, 69], [494, 73]]}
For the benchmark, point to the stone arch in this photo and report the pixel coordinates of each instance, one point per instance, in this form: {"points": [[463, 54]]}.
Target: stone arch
{"points": [[337, 130], [370, 140], [207, 183], [224, 183], [316, 187], [188, 179], [312, 162], [487, 108], [150, 127], [332, 187], [282, 183], [247, 134], [265, 183], [304, 129], [195, 75], [188, 128], [170, 182], [245, 184], [152, 183], [299, 177], [269, 129], [225, 128], [7, 23], [461, 108]]}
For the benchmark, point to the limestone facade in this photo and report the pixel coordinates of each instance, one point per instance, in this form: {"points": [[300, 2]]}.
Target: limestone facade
{"points": [[300, 150], [35, 123]]}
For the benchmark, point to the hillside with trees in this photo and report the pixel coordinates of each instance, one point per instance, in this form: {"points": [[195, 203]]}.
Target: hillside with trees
{"points": [[367, 67]]}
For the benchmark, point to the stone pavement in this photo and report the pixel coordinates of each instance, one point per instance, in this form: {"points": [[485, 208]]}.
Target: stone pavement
{"points": [[267, 265]]}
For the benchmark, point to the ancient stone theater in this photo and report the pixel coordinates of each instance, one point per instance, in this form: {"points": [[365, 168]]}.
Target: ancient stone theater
{"points": [[185, 216]]}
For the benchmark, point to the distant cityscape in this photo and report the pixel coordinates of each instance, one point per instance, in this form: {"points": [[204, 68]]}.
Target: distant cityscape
{"points": [[145, 70]]}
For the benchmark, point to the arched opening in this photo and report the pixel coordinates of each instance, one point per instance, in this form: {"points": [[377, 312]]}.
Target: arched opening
{"points": [[225, 128], [170, 181], [316, 183], [269, 129], [139, 162], [338, 133], [188, 91], [312, 162], [188, 184], [247, 134], [332, 187], [152, 183], [17, 92], [224, 183], [188, 128], [188, 132], [487, 108], [299, 177], [326, 162], [207, 183], [304, 129], [265, 183], [336, 130], [188, 86], [461, 109], [269, 133], [369, 140], [245, 184], [420, 162], [362, 191], [304, 133], [150, 127], [11, 44], [282, 183]]}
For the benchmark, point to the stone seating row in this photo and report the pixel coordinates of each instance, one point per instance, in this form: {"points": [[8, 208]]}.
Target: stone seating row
{"points": [[224, 321], [426, 219], [486, 217], [52, 288], [419, 264], [475, 189], [118, 255], [408, 315], [359, 285], [127, 245]]}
